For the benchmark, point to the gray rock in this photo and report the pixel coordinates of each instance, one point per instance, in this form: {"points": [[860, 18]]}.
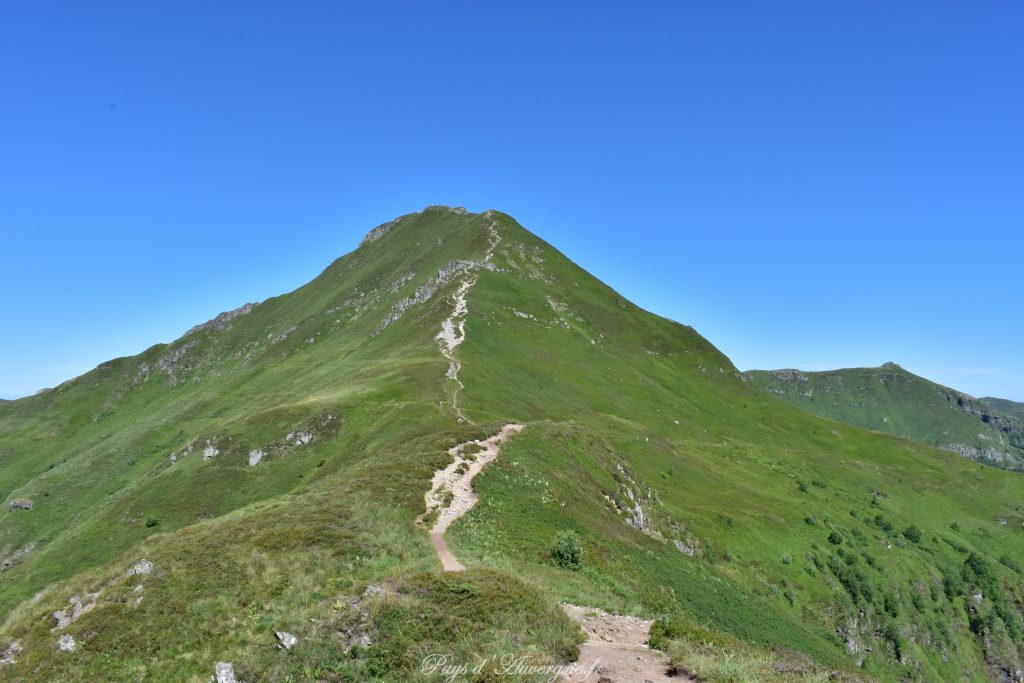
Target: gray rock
{"points": [[210, 451], [8, 655], [790, 375], [20, 504], [66, 643], [76, 608], [299, 438], [988, 453], [373, 589], [255, 456], [220, 323], [286, 640], [382, 229], [424, 292], [284, 335], [141, 568], [174, 364], [223, 672], [18, 555], [685, 549]]}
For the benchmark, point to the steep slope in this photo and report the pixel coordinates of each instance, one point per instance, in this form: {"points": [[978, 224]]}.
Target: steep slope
{"points": [[891, 400], [270, 467], [1012, 408]]}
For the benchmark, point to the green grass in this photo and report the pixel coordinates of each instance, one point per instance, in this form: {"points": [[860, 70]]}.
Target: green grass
{"points": [[1006, 407], [890, 400], [622, 408]]}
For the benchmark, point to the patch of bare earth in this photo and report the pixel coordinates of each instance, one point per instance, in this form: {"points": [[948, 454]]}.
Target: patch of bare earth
{"points": [[616, 650]]}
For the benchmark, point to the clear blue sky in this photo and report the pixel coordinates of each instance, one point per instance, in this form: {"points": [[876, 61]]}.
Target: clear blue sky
{"points": [[809, 184]]}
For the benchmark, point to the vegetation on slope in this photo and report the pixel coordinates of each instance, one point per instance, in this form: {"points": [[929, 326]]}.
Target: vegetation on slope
{"points": [[891, 400], [696, 498], [1002, 405]]}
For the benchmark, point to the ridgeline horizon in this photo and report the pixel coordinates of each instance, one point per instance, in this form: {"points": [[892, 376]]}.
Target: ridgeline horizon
{"points": [[266, 495]]}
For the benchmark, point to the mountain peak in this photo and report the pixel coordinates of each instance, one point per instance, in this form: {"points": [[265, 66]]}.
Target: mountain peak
{"points": [[302, 436], [379, 231]]}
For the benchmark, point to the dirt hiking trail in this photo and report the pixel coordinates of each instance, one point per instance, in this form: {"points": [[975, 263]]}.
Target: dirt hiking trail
{"points": [[616, 650], [451, 491]]}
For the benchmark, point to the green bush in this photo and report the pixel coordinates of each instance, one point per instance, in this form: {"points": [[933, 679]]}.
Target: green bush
{"points": [[152, 522], [567, 551], [891, 604], [1011, 563], [912, 534]]}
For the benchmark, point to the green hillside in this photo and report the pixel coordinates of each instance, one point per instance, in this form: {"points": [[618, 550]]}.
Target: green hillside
{"points": [[891, 400], [1006, 407], [270, 465]]}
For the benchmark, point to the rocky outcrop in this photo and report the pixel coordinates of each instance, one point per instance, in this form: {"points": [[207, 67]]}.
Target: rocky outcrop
{"points": [[640, 506], [66, 643], [987, 454], [20, 504], [382, 230], [9, 655], [75, 609], [355, 630], [789, 375], [18, 556], [445, 276], [141, 568], [183, 452], [299, 438], [284, 335], [893, 400], [222, 321], [175, 364], [995, 421], [210, 451]]}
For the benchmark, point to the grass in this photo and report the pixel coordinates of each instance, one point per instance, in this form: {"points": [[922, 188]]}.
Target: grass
{"points": [[680, 480], [890, 400]]}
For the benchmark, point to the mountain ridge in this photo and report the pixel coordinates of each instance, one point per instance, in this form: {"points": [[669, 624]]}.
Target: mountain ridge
{"points": [[1014, 408], [891, 399], [270, 469]]}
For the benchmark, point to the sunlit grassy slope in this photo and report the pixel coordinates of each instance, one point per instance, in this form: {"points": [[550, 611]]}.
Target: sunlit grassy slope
{"points": [[699, 498], [891, 400], [1008, 407]]}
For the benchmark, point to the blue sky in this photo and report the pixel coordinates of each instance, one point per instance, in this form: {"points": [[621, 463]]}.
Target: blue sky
{"points": [[808, 184]]}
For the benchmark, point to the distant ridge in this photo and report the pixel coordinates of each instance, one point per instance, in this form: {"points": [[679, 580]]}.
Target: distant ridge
{"points": [[1014, 408], [895, 401], [243, 501]]}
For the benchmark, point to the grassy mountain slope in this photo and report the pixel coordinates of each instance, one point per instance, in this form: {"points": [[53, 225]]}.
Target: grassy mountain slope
{"points": [[891, 400], [1012, 408], [699, 499]]}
